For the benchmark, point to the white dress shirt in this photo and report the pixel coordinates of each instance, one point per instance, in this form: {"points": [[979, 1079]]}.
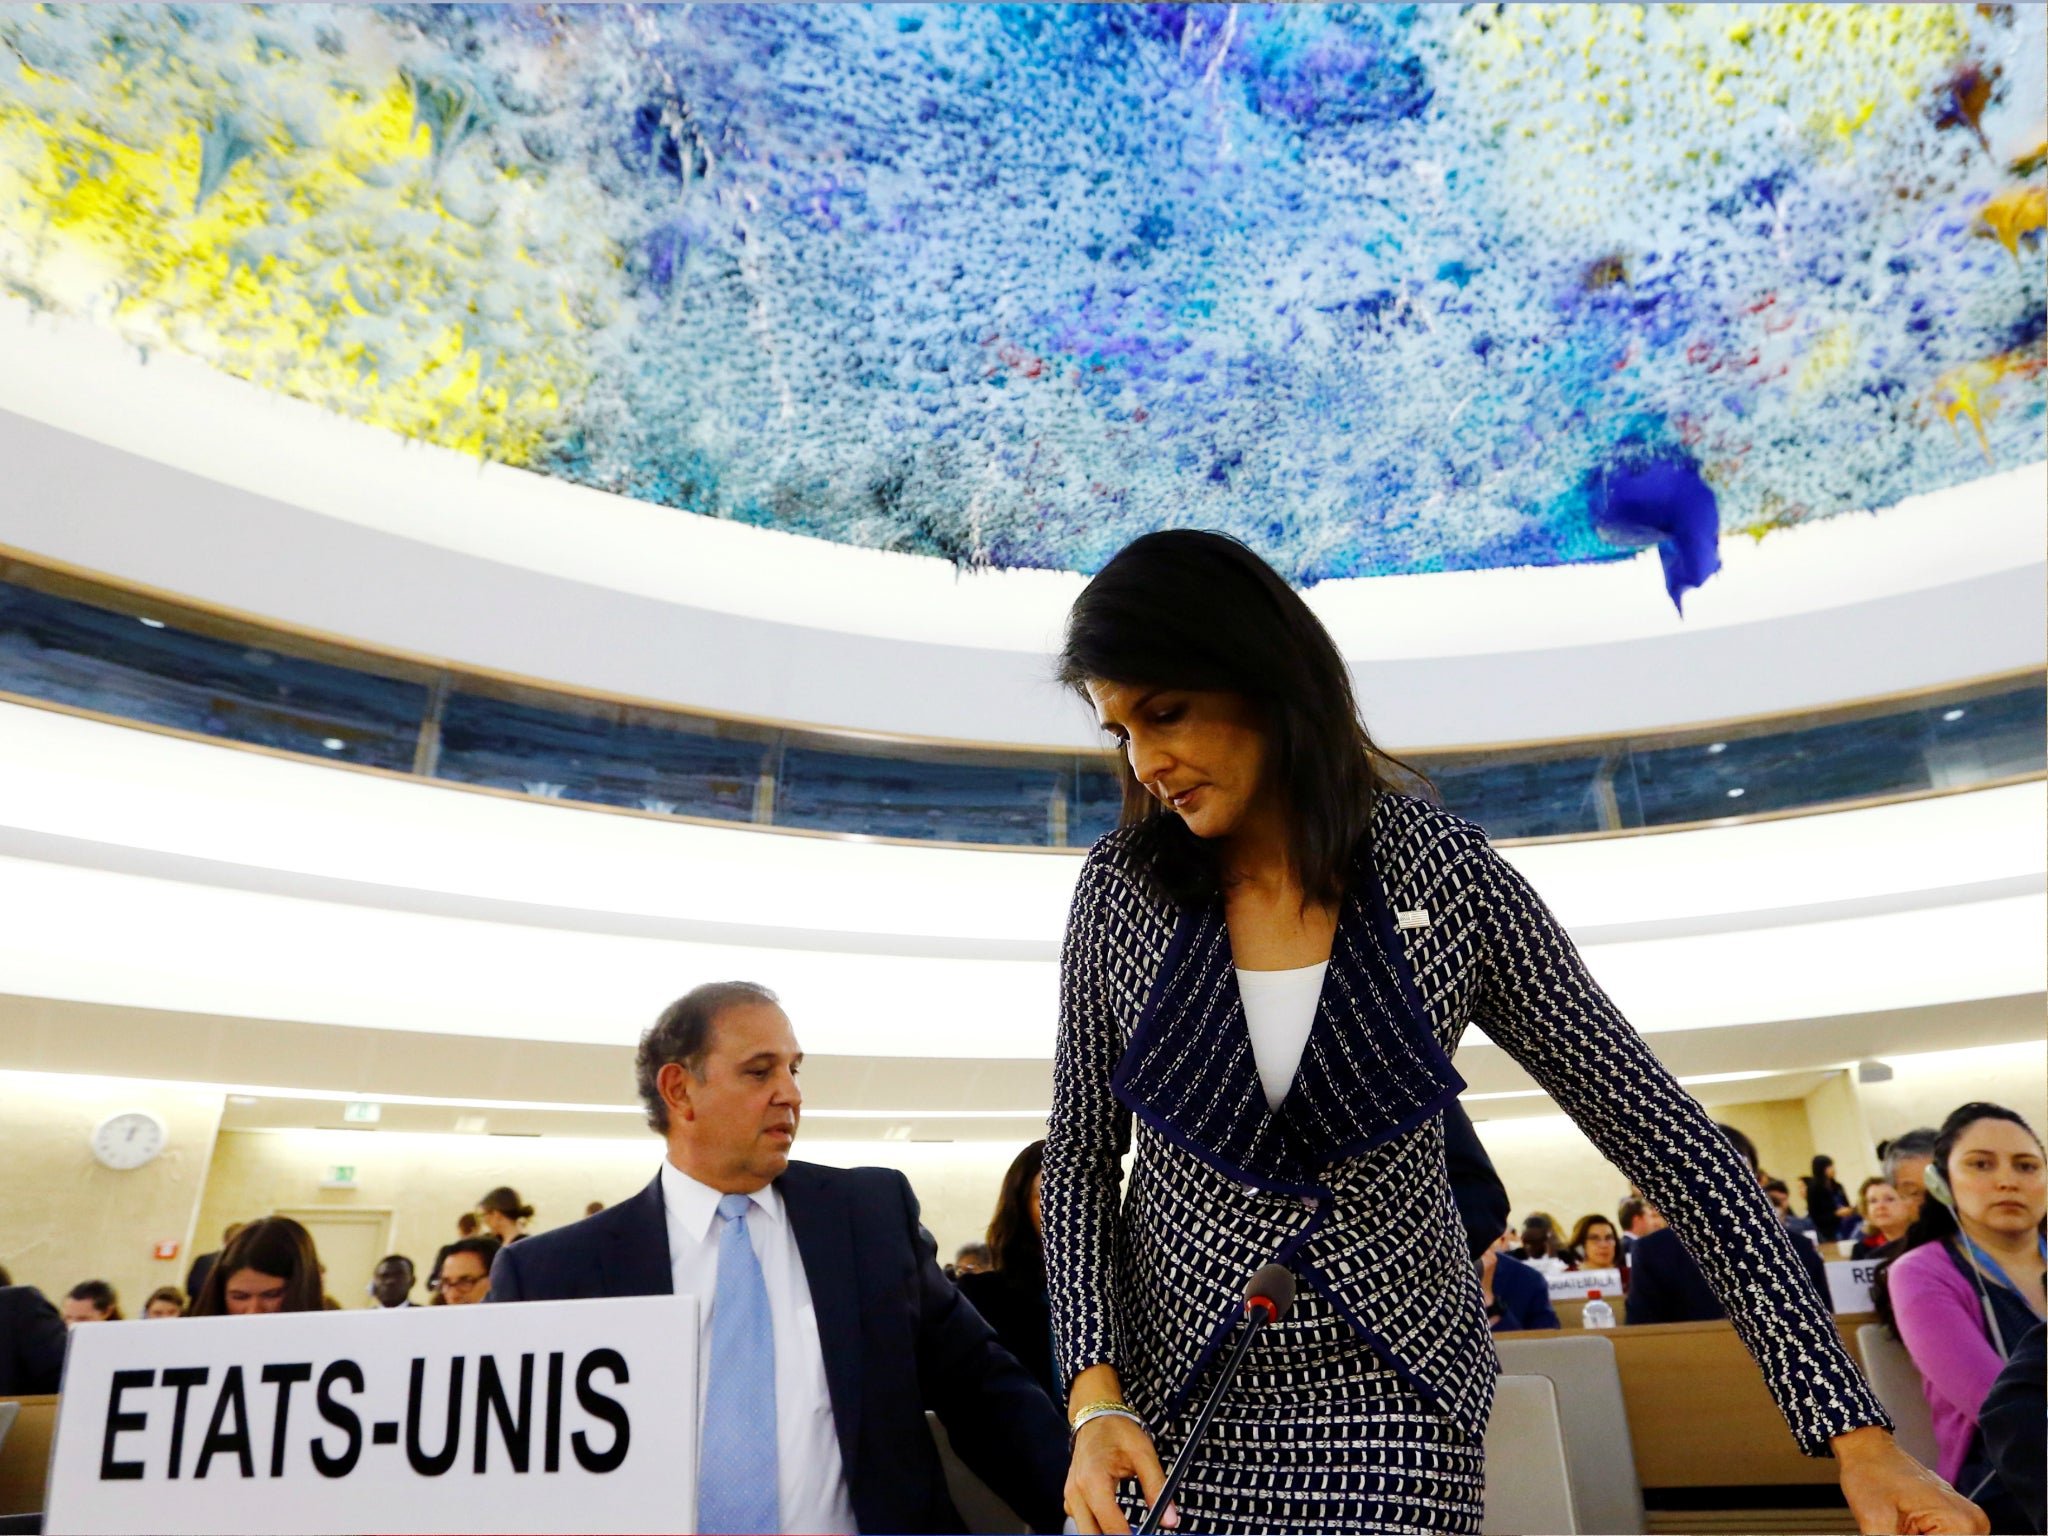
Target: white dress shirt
{"points": [[812, 1478], [1279, 1012]]}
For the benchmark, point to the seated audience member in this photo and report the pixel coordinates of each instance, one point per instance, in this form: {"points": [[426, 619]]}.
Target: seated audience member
{"points": [[1010, 1294], [466, 1271], [1905, 1165], [593, 1208], [1542, 1245], [2010, 1422], [1517, 1295], [1596, 1245], [1639, 1219], [269, 1266], [1885, 1218], [1780, 1194], [91, 1301], [466, 1225], [195, 1277], [1827, 1203], [165, 1301], [391, 1282], [33, 1337], [973, 1259], [1665, 1283], [1966, 1284], [504, 1214], [822, 1309]]}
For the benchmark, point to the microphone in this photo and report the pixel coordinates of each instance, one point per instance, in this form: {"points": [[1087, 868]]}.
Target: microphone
{"points": [[1268, 1298]]}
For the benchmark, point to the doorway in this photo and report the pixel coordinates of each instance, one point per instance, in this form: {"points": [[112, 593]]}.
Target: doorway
{"points": [[350, 1242]]}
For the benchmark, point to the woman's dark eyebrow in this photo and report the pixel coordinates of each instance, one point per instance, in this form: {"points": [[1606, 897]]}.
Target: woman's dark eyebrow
{"points": [[1143, 700]]}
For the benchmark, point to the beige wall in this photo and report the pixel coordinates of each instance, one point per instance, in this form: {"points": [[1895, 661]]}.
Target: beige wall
{"points": [[1925, 1088], [1841, 1129], [1782, 1132], [1548, 1164], [64, 1218], [426, 1181]]}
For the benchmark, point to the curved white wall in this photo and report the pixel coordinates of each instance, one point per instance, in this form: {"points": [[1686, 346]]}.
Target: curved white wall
{"points": [[144, 870], [177, 477]]}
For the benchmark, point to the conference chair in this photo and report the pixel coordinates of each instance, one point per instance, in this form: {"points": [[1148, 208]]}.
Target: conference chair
{"points": [[1528, 1485], [1601, 1455], [1896, 1380], [25, 1459]]}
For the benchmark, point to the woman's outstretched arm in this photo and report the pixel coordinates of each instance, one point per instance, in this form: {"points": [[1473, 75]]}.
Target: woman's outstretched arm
{"points": [[1538, 1001]]}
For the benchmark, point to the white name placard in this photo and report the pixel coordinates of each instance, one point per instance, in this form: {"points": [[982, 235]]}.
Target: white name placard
{"points": [[1574, 1284], [532, 1417], [1849, 1284]]}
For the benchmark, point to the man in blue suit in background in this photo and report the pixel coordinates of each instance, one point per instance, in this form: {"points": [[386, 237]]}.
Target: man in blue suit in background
{"points": [[826, 1327]]}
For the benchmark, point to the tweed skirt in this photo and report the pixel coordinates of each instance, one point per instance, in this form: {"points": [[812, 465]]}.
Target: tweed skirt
{"points": [[1316, 1434]]}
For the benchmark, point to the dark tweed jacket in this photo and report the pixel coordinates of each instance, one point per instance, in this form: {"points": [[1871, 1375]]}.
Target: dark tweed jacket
{"points": [[1346, 1183]]}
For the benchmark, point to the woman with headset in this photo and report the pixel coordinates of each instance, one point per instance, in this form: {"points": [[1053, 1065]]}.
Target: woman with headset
{"points": [[1967, 1284]]}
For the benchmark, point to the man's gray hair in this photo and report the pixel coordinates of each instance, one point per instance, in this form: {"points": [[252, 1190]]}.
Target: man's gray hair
{"points": [[1918, 1142], [682, 1035]]}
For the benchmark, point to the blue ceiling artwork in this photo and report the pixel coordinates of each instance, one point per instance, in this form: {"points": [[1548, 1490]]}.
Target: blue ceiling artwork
{"points": [[1378, 289]]}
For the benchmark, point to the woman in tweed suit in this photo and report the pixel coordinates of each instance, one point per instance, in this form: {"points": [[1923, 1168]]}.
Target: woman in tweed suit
{"points": [[1265, 971]]}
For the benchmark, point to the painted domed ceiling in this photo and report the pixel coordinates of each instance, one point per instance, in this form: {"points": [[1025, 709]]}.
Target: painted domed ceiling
{"points": [[1379, 289]]}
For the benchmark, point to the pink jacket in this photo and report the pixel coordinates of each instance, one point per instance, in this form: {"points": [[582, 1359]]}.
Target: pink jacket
{"points": [[1941, 1323]]}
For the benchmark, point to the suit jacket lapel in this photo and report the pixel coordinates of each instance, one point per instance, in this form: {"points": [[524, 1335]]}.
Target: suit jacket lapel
{"points": [[1371, 1070], [637, 1262], [1189, 1071], [1373, 1067], [823, 1228]]}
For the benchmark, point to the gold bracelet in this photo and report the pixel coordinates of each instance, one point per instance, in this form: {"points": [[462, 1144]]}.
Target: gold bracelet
{"points": [[1085, 1409]]}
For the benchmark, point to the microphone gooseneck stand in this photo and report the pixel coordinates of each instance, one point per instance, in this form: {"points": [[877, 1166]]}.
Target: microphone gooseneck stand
{"points": [[1266, 1300]]}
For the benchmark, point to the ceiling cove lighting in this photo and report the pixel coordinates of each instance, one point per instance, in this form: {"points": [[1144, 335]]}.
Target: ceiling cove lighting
{"points": [[149, 623], [245, 1096], [1953, 715]]}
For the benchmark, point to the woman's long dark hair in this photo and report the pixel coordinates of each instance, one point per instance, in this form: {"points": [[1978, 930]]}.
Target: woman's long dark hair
{"points": [[1193, 610], [1936, 1222], [275, 1246], [1013, 1240]]}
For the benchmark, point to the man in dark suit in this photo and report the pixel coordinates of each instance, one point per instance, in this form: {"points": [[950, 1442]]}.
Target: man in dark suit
{"points": [[1666, 1286], [826, 1327], [32, 1341], [1518, 1297]]}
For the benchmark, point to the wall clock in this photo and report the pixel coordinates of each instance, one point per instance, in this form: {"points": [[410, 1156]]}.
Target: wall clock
{"points": [[128, 1140]]}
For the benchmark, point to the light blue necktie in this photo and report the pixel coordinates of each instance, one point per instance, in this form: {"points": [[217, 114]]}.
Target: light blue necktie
{"points": [[737, 1489]]}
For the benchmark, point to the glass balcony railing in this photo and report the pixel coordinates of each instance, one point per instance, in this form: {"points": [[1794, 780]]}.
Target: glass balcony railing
{"points": [[82, 645]]}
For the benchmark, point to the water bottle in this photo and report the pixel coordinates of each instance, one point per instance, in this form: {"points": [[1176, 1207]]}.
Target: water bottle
{"points": [[1597, 1314]]}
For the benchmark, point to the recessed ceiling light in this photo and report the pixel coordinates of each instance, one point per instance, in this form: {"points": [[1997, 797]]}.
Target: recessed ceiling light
{"points": [[244, 1100], [1719, 746], [1953, 714], [1737, 793], [149, 623], [334, 743]]}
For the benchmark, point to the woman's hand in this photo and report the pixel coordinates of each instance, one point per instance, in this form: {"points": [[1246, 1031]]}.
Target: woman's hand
{"points": [[1889, 1492], [1106, 1451]]}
